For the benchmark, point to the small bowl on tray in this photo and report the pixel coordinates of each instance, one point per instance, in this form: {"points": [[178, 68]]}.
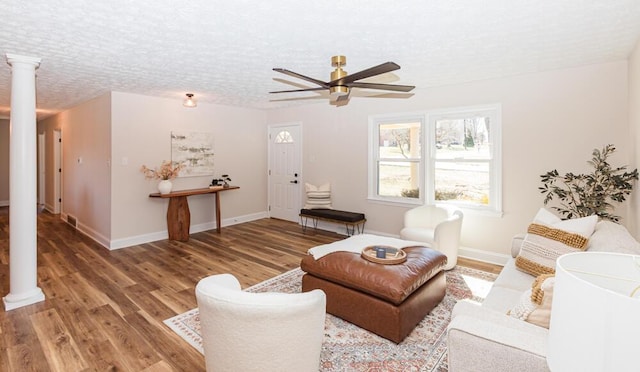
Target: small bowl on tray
{"points": [[384, 254]]}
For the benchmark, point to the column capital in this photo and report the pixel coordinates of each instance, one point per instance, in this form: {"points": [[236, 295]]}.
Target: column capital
{"points": [[16, 58]]}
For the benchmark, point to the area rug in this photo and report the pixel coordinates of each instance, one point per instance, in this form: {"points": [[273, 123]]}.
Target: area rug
{"points": [[347, 347]]}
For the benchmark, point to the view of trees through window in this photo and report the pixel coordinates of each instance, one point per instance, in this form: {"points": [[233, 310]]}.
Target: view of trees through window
{"points": [[460, 160], [399, 164]]}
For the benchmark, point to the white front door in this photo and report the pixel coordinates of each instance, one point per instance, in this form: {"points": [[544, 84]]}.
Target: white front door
{"points": [[285, 153]]}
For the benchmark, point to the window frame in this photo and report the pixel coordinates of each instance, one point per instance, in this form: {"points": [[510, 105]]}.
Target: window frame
{"points": [[426, 182], [494, 112], [375, 121]]}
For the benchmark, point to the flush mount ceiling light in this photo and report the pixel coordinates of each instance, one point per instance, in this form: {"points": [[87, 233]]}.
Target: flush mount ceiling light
{"points": [[190, 101]]}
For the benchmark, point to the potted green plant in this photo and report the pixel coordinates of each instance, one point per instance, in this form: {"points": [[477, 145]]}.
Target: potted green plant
{"points": [[582, 195]]}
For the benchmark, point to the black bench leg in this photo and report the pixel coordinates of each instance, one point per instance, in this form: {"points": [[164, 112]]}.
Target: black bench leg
{"points": [[303, 222], [349, 231]]}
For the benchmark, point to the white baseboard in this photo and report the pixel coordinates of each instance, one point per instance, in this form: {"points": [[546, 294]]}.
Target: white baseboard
{"points": [[483, 256], [161, 235], [87, 231], [4, 203], [246, 218], [49, 208], [466, 252], [138, 239], [96, 236]]}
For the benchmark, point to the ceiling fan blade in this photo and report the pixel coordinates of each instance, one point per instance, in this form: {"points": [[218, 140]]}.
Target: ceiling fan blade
{"points": [[393, 87], [372, 71], [303, 77], [298, 90]]}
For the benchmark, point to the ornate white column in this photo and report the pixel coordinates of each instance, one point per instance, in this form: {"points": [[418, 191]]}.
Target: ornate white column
{"points": [[23, 249]]}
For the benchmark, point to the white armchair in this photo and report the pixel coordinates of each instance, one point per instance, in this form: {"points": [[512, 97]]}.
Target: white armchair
{"points": [[244, 331], [438, 226]]}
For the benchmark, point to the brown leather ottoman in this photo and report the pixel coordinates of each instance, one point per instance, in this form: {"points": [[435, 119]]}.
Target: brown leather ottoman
{"points": [[389, 300]]}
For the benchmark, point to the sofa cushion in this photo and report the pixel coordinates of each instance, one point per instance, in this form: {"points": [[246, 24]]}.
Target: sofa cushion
{"points": [[535, 303], [547, 239], [511, 277], [502, 299]]}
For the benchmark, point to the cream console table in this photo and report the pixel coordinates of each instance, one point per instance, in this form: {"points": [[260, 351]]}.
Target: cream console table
{"points": [[178, 215]]}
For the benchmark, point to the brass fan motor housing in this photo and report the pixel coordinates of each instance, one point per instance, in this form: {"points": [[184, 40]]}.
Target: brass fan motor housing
{"points": [[338, 62]]}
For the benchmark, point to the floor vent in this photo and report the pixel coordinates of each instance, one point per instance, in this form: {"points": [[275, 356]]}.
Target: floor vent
{"points": [[72, 221]]}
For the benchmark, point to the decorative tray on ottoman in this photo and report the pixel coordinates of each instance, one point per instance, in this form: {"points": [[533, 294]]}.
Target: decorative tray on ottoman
{"points": [[392, 256]]}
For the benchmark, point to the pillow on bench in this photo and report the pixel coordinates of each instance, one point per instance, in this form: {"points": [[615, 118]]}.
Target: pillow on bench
{"points": [[318, 197]]}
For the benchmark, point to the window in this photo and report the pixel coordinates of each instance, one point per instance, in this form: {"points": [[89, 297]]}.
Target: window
{"points": [[459, 163], [284, 137], [397, 158], [464, 166]]}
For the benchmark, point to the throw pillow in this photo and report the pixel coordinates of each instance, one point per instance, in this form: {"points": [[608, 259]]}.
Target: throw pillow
{"points": [[549, 237], [318, 197], [612, 237], [535, 304]]}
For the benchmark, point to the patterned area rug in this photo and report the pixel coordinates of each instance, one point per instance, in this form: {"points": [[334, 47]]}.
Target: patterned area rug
{"points": [[347, 347]]}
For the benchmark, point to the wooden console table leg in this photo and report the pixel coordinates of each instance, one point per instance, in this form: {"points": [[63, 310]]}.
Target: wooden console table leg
{"points": [[178, 218], [218, 222]]}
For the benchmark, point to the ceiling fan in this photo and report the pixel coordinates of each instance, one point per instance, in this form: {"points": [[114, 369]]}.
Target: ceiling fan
{"points": [[341, 82]]}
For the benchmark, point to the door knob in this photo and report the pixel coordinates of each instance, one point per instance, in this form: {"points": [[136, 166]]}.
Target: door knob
{"points": [[294, 181]]}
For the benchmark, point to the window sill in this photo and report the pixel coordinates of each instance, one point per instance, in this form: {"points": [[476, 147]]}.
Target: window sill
{"points": [[466, 209], [396, 202]]}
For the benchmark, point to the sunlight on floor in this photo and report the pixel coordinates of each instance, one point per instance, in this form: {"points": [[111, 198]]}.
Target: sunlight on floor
{"points": [[479, 287]]}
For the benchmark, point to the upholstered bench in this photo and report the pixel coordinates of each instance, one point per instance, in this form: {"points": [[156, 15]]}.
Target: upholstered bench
{"points": [[351, 220], [389, 300]]}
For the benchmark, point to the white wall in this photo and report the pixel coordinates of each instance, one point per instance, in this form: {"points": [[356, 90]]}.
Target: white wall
{"points": [[550, 120], [86, 174], [141, 129], [47, 127], [4, 162], [634, 123]]}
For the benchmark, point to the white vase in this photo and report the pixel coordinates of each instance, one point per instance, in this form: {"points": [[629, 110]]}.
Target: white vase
{"points": [[165, 186]]}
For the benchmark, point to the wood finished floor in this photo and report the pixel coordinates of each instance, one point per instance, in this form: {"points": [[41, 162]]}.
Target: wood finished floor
{"points": [[104, 309]]}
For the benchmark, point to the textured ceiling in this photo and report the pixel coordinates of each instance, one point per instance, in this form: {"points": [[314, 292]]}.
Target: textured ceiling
{"points": [[223, 51]]}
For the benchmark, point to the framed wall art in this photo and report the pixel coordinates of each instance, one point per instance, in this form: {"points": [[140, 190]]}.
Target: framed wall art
{"points": [[195, 151]]}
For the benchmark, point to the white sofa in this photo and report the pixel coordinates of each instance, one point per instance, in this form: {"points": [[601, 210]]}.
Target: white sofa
{"points": [[484, 338]]}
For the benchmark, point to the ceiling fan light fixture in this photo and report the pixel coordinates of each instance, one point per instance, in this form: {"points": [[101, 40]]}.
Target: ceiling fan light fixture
{"points": [[338, 90], [190, 101]]}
